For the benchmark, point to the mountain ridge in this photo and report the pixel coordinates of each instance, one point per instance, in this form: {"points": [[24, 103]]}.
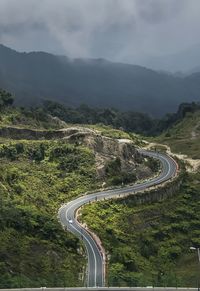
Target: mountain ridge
{"points": [[37, 76]]}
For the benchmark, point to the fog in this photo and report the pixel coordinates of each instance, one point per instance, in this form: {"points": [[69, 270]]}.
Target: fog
{"points": [[145, 32]]}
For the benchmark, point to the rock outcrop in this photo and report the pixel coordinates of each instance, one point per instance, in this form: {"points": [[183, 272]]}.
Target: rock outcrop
{"points": [[105, 148]]}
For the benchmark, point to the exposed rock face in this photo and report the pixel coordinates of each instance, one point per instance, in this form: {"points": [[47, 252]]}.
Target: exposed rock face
{"points": [[154, 194], [105, 148]]}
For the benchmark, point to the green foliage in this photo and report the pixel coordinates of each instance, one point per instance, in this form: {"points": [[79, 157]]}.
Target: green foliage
{"points": [[149, 244], [6, 99], [37, 153], [109, 131], [9, 152], [113, 167], [184, 136], [115, 175], [153, 164], [34, 250], [129, 121], [33, 118]]}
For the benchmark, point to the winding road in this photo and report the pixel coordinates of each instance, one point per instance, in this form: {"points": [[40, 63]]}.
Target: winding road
{"points": [[67, 213]]}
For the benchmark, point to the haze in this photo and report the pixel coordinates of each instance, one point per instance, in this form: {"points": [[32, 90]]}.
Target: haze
{"points": [[161, 34]]}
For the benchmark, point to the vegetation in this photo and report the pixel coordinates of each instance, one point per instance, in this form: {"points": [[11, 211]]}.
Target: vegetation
{"points": [[184, 136], [6, 99], [148, 245], [35, 179], [27, 118], [129, 121], [94, 82], [115, 175], [53, 115]]}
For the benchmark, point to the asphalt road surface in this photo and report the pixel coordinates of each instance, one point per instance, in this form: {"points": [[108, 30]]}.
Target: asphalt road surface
{"points": [[105, 289], [95, 269]]}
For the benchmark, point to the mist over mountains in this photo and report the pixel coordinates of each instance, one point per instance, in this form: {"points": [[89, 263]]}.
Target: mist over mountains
{"points": [[37, 76], [184, 61]]}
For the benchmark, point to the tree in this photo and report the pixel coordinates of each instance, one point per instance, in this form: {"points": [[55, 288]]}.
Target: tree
{"points": [[6, 99]]}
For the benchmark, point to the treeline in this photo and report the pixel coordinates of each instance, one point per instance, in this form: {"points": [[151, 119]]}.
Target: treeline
{"points": [[6, 99], [129, 121]]}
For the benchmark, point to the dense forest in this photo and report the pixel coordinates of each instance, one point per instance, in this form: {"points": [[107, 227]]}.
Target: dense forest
{"points": [[129, 121]]}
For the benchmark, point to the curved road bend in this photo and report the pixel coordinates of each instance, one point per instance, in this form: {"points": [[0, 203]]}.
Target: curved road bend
{"points": [[67, 215]]}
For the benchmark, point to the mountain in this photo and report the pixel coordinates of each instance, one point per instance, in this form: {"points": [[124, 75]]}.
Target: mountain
{"points": [[193, 70], [37, 76]]}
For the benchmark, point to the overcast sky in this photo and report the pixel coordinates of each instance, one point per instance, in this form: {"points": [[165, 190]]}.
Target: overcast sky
{"points": [[120, 30]]}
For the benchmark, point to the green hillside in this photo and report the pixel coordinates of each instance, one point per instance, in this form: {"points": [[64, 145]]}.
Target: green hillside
{"points": [[146, 245], [27, 118], [149, 245], [95, 82], [184, 137], [36, 177]]}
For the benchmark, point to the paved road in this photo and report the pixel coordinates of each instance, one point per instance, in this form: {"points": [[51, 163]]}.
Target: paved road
{"points": [[105, 289], [67, 215]]}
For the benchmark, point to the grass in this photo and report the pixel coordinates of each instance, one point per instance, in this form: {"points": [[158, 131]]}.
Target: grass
{"points": [[109, 131], [180, 138], [31, 119]]}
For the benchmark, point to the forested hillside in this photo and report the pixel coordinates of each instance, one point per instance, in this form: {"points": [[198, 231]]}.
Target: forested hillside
{"points": [[146, 244], [38, 76], [184, 136], [34, 250], [130, 121], [37, 175], [150, 244]]}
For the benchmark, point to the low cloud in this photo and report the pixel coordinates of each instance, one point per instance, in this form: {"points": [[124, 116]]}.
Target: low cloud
{"points": [[120, 30]]}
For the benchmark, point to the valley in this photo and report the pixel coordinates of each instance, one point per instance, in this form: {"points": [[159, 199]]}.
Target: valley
{"points": [[38, 175], [46, 162], [99, 145]]}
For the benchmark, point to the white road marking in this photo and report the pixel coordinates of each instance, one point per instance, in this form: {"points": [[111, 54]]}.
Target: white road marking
{"points": [[109, 194], [95, 260]]}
